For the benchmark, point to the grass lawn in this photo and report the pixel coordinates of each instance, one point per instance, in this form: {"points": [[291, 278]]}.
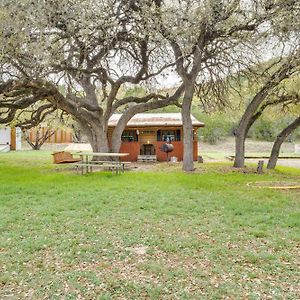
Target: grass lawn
{"points": [[145, 235]]}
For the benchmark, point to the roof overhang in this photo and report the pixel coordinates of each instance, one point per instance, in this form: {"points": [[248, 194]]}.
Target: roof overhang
{"points": [[154, 120]]}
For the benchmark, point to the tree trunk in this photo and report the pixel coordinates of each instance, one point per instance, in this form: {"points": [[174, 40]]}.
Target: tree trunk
{"points": [[97, 136], [116, 140], [188, 147], [239, 159], [241, 134], [36, 147], [99, 141], [278, 142], [245, 124], [249, 116]]}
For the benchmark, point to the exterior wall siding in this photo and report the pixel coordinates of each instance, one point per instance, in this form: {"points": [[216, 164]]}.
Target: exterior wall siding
{"points": [[178, 151], [133, 148]]}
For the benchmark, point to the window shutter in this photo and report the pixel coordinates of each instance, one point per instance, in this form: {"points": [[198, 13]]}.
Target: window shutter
{"points": [[158, 135], [178, 135]]}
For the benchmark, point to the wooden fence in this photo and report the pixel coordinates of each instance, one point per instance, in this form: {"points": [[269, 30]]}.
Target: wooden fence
{"points": [[60, 136]]}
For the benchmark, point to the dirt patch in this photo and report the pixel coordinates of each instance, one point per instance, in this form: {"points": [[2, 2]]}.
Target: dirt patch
{"points": [[199, 168]]}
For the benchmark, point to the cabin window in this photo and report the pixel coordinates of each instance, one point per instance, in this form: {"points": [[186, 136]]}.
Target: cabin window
{"points": [[129, 136], [168, 135]]}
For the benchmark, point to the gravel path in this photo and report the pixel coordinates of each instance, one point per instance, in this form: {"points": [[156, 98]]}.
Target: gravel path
{"points": [[252, 146], [295, 163]]}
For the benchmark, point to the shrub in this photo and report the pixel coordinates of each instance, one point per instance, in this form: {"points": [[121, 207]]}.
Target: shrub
{"points": [[263, 130], [267, 130], [217, 126]]}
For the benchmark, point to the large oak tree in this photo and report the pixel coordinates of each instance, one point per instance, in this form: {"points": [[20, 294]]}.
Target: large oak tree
{"points": [[269, 93], [212, 39], [78, 56]]}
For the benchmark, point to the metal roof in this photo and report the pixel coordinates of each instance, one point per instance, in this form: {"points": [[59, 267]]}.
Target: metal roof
{"points": [[154, 119]]}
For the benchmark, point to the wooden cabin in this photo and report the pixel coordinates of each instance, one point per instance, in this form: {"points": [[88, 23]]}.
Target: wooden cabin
{"points": [[146, 133]]}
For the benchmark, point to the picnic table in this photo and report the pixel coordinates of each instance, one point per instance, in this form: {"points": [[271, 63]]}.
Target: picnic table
{"points": [[88, 164]]}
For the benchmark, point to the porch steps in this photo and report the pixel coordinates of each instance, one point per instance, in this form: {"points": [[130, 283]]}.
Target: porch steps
{"points": [[147, 158]]}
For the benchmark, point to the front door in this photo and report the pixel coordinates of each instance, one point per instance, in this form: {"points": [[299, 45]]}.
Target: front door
{"points": [[148, 149]]}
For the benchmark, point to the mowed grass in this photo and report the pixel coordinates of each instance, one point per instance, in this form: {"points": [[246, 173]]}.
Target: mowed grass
{"points": [[151, 235]]}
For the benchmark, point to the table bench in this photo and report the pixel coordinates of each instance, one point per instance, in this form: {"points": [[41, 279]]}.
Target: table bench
{"points": [[113, 165], [117, 166]]}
